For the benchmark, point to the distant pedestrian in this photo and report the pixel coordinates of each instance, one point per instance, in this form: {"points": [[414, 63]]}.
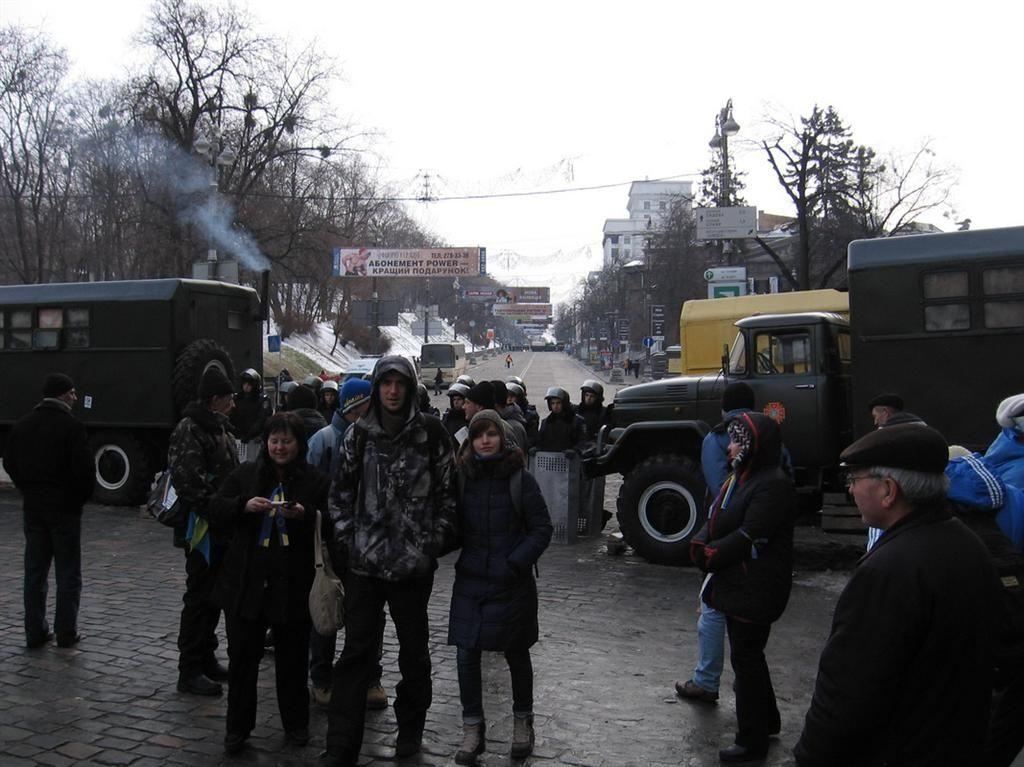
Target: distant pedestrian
{"points": [[637, 364], [505, 527], [508, 361], [200, 455], [47, 458], [747, 547], [905, 676], [438, 381]]}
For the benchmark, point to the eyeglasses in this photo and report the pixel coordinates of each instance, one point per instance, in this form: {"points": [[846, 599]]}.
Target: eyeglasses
{"points": [[852, 480]]}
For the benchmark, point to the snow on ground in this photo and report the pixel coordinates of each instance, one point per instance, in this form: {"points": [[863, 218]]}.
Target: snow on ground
{"points": [[318, 342]]}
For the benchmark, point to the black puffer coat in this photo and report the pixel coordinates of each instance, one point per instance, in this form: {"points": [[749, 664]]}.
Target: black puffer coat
{"points": [[270, 583], [494, 598], [747, 543]]}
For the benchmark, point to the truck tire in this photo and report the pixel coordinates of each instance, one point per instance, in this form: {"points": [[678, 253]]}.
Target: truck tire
{"points": [[193, 361], [123, 470], [661, 507]]}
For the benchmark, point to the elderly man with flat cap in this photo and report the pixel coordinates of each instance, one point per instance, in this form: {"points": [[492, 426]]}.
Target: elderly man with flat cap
{"points": [[905, 676]]}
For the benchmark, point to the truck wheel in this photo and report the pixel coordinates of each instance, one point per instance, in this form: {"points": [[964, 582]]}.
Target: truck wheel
{"points": [[661, 506], [193, 361], [123, 470]]}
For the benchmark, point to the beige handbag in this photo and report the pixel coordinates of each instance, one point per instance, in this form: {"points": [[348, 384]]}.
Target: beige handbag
{"points": [[327, 595]]}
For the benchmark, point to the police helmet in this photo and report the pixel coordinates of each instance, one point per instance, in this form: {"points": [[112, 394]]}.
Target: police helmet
{"points": [[557, 392], [313, 382], [288, 387], [458, 390], [466, 380], [515, 389], [593, 386], [252, 376]]}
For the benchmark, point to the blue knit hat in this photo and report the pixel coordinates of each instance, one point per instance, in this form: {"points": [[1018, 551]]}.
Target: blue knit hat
{"points": [[354, 392]]}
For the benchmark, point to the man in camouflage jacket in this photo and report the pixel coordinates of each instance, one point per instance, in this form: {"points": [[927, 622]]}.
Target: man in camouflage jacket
{"points": [[201, 454], [392, 508]]}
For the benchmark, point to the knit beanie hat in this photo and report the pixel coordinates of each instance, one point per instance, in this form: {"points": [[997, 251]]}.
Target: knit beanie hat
{"points": [[485, 417], [483, 395], [302, 397], [57, 384], [214, 383], [737, 395], [354, 392], [500, 394], [1010, 413]]}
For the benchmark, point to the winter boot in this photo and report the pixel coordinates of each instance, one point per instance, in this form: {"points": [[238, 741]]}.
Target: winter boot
{"points": [[473, 742], [522, 736]]}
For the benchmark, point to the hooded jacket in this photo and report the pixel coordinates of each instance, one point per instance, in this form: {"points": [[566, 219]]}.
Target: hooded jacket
{"points": [[747, 542], [392, 502]]}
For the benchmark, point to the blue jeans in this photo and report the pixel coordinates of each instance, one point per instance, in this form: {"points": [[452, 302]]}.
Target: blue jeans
{"points": [[710, 648], [52, 536], [520, 668]]}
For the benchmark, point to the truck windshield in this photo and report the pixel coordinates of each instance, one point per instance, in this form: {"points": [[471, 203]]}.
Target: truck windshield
{"points": [[738, 356]]}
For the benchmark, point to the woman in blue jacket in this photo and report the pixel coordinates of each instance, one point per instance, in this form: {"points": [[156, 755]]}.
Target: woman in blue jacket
{"points": [[505, 527]]}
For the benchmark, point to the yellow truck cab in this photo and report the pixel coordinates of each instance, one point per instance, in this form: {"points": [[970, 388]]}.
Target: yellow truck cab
{"points": [[707, 325]]}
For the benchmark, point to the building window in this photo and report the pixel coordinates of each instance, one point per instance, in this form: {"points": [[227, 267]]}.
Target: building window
{"points": [[614, 239], [662, 205], [625, 239], [647, 204]]}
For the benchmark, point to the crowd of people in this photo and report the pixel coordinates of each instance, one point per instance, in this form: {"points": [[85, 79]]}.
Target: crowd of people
{"points": [[924, 664]]}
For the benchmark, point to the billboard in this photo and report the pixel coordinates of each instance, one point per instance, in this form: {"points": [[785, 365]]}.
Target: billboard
{"points": [[507, 295], [523, 311], [407, 262]]}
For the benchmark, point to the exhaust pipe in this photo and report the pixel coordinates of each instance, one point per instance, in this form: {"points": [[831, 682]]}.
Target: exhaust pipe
{"points": [[265, 295]]}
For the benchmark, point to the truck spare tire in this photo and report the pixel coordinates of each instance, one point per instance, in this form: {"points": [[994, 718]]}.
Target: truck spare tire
{"points": [[193, 361], [123, 470], [661, 507]]}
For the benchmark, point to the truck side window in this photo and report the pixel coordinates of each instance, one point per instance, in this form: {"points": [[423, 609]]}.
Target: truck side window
{"points": [[947, 315], [20, 334], [77, 331], [738, 356], [787, 353], [1005, 312]]}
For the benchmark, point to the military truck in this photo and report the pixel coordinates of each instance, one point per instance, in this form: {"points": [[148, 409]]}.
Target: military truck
{"points": [[937, 318], [136, 351]]}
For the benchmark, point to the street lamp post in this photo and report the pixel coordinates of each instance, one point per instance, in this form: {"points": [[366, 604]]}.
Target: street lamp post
{"points": [[217, 157], [725, 127]]}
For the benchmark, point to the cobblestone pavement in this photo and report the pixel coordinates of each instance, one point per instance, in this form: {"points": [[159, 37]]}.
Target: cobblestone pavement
{"points": [[615, 634]]}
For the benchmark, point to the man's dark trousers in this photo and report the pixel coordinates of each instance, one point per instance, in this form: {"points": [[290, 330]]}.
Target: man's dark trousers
{"points": [[52, 536], [364, 599], [197, 632]]}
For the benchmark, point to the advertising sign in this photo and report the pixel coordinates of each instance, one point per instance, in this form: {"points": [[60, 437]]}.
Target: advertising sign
{"points": [[406, 262], [506, 295], [523, 311], [658, 322]]}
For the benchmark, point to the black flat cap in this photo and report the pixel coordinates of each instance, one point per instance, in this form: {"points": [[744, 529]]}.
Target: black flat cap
{"points": [[895, 401], [913, 446]]}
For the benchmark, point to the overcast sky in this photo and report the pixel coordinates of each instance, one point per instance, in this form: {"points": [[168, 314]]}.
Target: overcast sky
{"points": [[489, 98]]}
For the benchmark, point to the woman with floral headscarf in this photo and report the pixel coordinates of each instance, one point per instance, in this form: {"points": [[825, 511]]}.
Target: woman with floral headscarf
{"points": [[747, 547]]}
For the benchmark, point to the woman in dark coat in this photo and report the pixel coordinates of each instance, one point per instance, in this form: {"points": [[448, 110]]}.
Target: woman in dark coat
{"points": [[505, 528], [268, 508], [747, 546]]}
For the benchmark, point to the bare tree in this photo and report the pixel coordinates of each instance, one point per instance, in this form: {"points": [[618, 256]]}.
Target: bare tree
{"points": [[35, 164]]}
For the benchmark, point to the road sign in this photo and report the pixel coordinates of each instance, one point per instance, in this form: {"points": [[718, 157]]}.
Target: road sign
{"points": [[726, 289], [726, 223], [273, 343], [648, 342], [658, 320], [726, 274]]}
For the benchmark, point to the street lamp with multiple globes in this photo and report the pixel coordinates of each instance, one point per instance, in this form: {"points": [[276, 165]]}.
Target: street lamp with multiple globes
{"points": [[217, 157], [725, 127]]}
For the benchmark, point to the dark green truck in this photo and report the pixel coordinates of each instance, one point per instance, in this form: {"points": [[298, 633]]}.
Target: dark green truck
{"points": [[136, 351], [937, 318]]}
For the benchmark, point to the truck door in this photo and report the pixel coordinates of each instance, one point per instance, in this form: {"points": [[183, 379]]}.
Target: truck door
{"points": [[788, 385]]}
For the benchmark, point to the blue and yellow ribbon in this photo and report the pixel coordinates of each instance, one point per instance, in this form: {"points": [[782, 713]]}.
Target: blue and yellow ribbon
{"points": [[274, 516]]}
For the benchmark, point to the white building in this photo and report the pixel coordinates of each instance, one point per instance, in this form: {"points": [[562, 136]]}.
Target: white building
{"points": [[649, 203]]}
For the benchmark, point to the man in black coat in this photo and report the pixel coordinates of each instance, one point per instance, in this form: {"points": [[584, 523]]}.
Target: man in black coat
{"points": [[48, 459], [905, 677]]}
